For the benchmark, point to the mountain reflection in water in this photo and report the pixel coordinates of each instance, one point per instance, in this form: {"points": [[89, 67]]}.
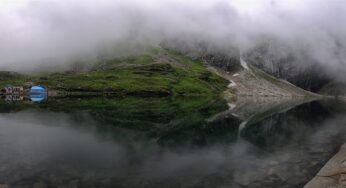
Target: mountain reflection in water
{"points": [[166, 143]]}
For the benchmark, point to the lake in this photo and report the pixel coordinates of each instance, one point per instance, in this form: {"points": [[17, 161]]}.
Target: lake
{"points": [[174, 143]]}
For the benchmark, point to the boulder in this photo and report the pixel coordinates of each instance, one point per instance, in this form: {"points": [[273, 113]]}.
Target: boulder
{"points": [[333, 174]]}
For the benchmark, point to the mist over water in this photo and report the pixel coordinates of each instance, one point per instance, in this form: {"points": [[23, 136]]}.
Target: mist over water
{"points": [[55, 33], [84, 149]]}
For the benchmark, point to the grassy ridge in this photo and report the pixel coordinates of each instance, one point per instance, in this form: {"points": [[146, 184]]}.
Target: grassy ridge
{"points": [[140, 76]]}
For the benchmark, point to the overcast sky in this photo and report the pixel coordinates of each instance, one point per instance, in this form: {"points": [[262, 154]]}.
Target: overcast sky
{"points": [[52, 32]]}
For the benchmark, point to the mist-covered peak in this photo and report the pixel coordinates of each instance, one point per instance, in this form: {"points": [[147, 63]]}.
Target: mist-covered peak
{"points": [[54, 33]]}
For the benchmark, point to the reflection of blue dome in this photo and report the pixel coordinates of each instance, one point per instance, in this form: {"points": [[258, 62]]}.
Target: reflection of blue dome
{"points": [[37, 98]]}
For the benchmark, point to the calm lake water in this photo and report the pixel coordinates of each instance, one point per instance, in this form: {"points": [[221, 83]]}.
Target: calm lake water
{"points": [[159, 143]]}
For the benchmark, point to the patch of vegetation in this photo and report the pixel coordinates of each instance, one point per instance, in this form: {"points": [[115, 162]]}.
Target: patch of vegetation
{"points": [[136, 76]]}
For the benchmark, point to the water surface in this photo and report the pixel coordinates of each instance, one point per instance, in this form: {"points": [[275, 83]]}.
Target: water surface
{"points": [[166, 143]]}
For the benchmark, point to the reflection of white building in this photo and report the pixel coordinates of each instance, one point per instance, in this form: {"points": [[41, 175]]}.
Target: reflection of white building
{"points": [[11, 98]]}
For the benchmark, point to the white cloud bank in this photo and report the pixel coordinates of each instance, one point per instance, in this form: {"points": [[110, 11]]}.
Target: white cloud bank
{"points": [[51, 32]]}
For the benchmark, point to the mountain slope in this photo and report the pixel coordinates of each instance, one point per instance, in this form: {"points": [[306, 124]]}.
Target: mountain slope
{"points": [[334, 88], [250, 81], [157, 73]]}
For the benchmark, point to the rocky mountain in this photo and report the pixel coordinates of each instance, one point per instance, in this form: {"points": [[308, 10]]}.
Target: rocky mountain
{"points": [[334, 88], [295, 67], [250, 81]]}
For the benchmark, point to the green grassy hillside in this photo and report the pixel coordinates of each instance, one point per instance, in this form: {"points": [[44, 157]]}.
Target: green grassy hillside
{"points": [[159, 73]]}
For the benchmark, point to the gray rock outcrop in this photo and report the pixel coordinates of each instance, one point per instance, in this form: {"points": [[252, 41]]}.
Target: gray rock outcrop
{"points": [[333, 174]]}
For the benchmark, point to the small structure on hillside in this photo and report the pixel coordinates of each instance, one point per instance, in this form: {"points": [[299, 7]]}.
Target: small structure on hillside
{"points": [[34, 93], [10, 90]]}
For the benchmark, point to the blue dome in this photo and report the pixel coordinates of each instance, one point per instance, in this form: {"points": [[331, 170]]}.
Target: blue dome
{"points": [[37, 89], [37, 93]]}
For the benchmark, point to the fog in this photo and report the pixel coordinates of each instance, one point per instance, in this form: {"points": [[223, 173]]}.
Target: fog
{"points": [[54, 33]]}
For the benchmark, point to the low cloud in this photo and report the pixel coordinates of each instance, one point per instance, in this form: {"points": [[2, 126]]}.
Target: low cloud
{"points": [[52, 33]]}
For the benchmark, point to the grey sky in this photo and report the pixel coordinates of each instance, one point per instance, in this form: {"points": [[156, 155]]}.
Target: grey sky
{"points": [[53, 32]]}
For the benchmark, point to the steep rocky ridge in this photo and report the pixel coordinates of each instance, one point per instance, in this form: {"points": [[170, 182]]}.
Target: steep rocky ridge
{"points": [[284, 63], [250, 81], [334, 88]]}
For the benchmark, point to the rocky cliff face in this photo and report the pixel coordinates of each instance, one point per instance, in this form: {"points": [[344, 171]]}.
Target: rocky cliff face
{"points": [[252, 82], [334, 88], [229, 64], [285, 64], [273, 58]]}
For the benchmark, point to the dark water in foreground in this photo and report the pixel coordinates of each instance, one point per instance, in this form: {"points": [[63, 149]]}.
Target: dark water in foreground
{"points": [[158, 143]]}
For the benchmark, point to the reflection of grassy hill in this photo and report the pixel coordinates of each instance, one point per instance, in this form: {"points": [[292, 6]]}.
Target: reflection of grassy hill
{"points": [[158, 73], [129, 111], [169, 121]]}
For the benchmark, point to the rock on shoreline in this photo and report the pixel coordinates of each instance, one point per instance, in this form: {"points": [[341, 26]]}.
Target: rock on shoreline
{"points": [[333, 174]]}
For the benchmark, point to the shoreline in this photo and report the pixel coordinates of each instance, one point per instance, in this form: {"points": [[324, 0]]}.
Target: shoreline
{"points": [[333, 173]]}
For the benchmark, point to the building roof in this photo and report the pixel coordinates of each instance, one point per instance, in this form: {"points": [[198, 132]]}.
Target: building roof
{"points": [[38, 88]]}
